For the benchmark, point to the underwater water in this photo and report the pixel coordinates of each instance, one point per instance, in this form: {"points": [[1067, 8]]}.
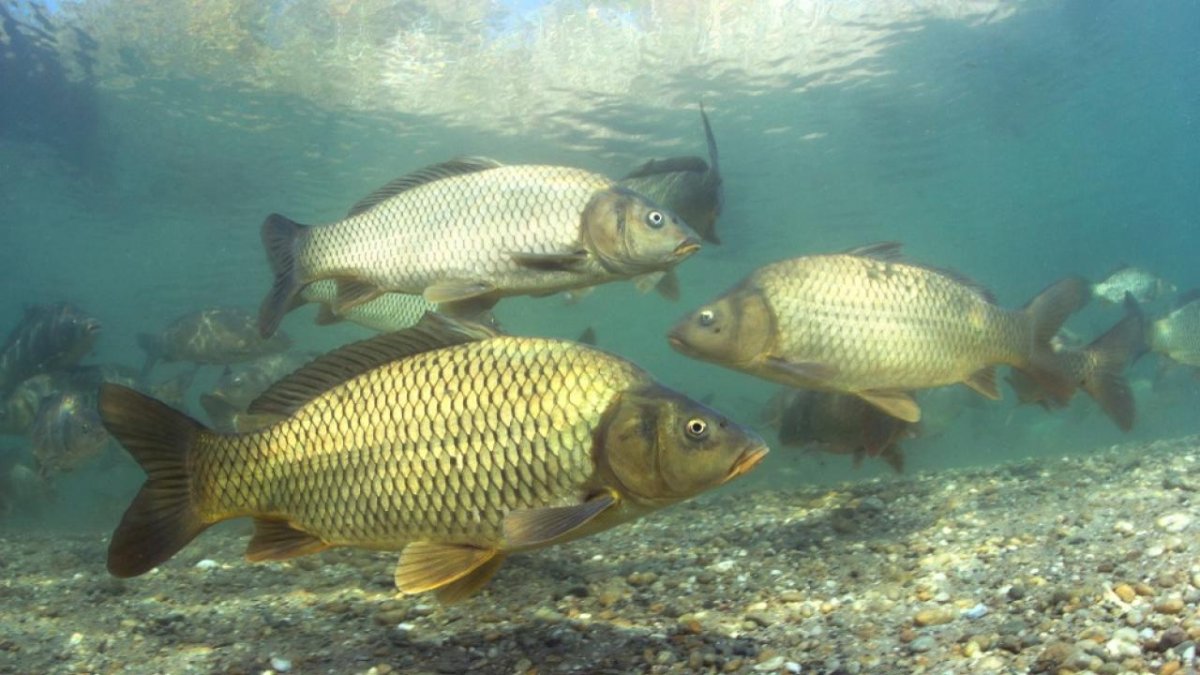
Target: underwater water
{"points": [[142, 145]]}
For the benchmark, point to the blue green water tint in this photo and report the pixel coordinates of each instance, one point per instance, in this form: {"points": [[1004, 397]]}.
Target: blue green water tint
{"points": [[1014, 144]]}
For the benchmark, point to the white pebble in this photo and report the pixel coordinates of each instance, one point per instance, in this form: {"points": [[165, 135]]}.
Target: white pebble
{"points": [[770, 665], [76, 639], [281, 665], [977, 612], [1123, 527], [207, 564], [792, 667], [724, 565], [1121, 649], [1174, 522]]}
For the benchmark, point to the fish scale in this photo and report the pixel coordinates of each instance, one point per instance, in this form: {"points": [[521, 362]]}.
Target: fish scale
{"points": [[329, 468]]}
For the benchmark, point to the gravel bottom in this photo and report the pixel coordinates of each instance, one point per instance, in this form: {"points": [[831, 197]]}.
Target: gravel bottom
{"points": [[1084, 564]]}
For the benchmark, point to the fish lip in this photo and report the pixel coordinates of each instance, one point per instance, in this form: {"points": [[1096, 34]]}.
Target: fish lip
{"points": [[687, 247], [678, 344], [749, 459]]}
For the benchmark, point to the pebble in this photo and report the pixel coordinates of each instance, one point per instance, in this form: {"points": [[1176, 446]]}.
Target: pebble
{"points": [[1125, 592], [280, 665], [207, 564], [1173, 522], [934, 616], [641, 578], [1172, 605], [977, 612], [772, 665], [922, 644]]}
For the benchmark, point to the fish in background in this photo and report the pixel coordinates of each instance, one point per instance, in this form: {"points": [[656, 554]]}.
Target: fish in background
{"points": [[468, 232], [216, 336], [840, 424], [1177, 335], [864, 323], [67, 432], [525, 443], [236, 389], [689, 186], [21, 490], [1142, 285], [48, 337], [1098, 369]]}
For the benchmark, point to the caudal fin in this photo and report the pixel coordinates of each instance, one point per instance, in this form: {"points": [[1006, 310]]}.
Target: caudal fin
{"points": [[153, 346], [1109, 354], [281, 238], [1047, 312], [162, 518]]}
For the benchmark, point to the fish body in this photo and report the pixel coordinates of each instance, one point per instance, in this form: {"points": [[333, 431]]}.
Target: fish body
{"points": [[1097, 368], [215, 336], [1142, 285], [446, 441], [236, 389], [689, 186], [66, 433], [1177, 335], [865, 324], [839, 424], [469, 232], [48, 338], [22, 404], [386, 313]]}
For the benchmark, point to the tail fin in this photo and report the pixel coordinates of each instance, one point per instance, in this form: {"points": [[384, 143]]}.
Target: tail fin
{"points": [[1109, 354], [162, 518], [153, 346], [1047, 312], [281, 237]]}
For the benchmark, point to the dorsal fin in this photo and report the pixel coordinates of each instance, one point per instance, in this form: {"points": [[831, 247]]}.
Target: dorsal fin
{"points": [[978, 288], [880, 250], [708, 136], [656, 167], [456, 167], [433, 331]]}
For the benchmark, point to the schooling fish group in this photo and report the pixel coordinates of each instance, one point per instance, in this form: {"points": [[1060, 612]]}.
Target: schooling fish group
{"points": [[457, 445]]}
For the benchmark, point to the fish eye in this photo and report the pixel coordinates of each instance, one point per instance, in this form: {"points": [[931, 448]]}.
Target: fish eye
{"points": [[697, 428], [655, 219], [706, 317]]}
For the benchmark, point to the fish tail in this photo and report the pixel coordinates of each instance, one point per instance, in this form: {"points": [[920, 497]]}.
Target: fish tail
{"points": [[1047, 312], [1111, 353], [153, 347], [282, 238], [163, 517]]}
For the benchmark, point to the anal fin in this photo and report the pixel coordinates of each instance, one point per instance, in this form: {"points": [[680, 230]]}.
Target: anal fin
{"points": [[527, 528], [278, 540], [468, 585], [426, 566], [898, 404], [984, 382], [456, 291], [352, 293]]}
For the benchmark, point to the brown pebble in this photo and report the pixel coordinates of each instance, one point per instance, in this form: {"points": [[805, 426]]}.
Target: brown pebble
{"points": [[1125, 592], [1170, 668], [733, 665], [1144, 589], [1169, 606], [907, 634], [934, 616]]}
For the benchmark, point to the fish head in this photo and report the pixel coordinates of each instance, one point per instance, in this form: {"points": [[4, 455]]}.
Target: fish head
{"points": [[630, 234], [734, 330], [660, 447]]}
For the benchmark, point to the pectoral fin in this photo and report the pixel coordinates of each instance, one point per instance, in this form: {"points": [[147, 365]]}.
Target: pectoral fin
{"points": [[327, 317], [896, 403], [352, 293], [457, 291], [984, 382], [534, 527], [668, 286], [278, 540], [564, 262], [805, 372], [425, 566], [648, 282]]}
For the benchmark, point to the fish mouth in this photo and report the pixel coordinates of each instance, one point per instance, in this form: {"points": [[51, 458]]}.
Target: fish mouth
{"points": [[749, 459], [687, 247], [678, 344]]}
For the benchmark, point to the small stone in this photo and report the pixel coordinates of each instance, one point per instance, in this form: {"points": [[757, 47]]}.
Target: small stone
{"points": [[1171, 637], [772, 665], [934, 616], [971, 649], [1165, 580], [792, 667], [207, 564], [641, 578], [1123, 527], [280, 664], [1143, 589], [1125, 592], [760, 619], [1170, 668], [1171, 605], [1016, 592], [1134, 619], [1173, 522], [922, 644], [1175, 481], [791, 595], [977, 612], [1010, 643]]}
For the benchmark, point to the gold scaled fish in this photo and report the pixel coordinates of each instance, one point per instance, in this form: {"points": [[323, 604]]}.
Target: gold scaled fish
{"points": [[446, 441], [863, 323], [470, 231], [1098, 369], [689, 186], [1177, 335]]}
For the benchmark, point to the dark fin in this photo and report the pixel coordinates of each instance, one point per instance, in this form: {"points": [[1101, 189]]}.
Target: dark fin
{"points": [[281, 238], [1133, 311], [466, 586], [162, 518], [456, 291], [244, 423], [327, 317], [557, 262], [898, 404], [587, 337], [894, 456], [458, 166], [808, 372], [1047, 312], [883, 250], [534, 527], [880, 430], [710, 140], [472, 309], [668, 286], [425, 566], [277, 540], [220, 412], [712, 180], [644, 283], [1110, 354], [353, 292], [1027, 389], [153, 346], [328, 371], [984, 382], [656, 167]]}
